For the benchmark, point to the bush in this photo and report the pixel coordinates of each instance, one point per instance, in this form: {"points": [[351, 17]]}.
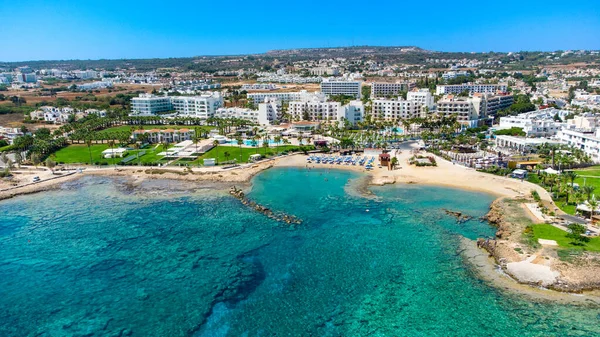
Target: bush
{"points": [[536, 195]]}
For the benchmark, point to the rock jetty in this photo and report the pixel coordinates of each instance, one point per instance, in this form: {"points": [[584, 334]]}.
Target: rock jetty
{"points": [[279, 217], [460, 218]]}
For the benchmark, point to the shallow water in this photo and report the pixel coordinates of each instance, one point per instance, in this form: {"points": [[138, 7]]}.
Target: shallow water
{"points": [[92, 260]]}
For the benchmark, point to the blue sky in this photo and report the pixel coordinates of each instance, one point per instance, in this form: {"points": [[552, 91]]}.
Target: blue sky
{"points": [[89, 29]]}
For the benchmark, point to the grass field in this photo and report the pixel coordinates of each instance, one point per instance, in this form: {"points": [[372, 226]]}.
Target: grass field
{"points": [[550, 232], [234, 151], [79, 154], [589, 176]]}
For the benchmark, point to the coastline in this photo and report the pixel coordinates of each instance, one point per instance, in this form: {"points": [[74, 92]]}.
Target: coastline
{"points": [[445, 174]]}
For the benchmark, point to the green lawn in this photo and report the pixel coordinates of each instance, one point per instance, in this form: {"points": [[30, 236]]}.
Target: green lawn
{"points": [[592, 177], [550, 232], [79, 154], [234, 151]]}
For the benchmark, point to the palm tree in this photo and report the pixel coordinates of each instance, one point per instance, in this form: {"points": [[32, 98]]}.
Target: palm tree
{"points": [[593, 205], [226, 155], [137, 146], [588, 190], [240, 141], [88, 142], [216, 145], [111, 144], [18, 158]]}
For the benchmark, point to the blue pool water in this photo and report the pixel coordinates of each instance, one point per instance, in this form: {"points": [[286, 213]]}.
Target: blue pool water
{"points": [[96, 259]]}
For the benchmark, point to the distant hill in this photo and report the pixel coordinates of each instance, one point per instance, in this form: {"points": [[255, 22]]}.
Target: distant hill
{"points": [[355, 51]]}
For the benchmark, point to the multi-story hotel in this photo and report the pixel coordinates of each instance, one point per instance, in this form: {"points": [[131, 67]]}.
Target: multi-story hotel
{"points": [[381, 89], [203, 106], [284, 97], [469, 112], [322, 111], [471, 88], [422, 97], [586, 140], [340, 87], [395, 109]]}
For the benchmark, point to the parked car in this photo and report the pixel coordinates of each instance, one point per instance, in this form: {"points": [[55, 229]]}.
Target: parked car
{"points": [[36, 179]]}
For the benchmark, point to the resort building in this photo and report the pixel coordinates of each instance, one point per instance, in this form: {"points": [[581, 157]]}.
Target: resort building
{"points": [[586, 140], [454, 74], [471, 88], [341, 87], [165, 136], [148, 104], [52, 114], [284, 97], [203, 106], [268, 112], [495, 103], [240, 113], [511, 144], [422, 97], [395, 109], [95, 85], [417, 104], [539, 123], [469, 112], [381, 89], [10, 134], [316, 110], [325, 71], [323, 111]]}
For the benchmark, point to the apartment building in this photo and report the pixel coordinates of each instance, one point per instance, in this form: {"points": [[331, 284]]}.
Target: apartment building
{"points": [[422, 97], [534, 124], [322, 111], [495, 103], [148, 104], [10, 134], [471, 88], [317, 110], [240, 113], [381, 89], [395, 109], [325, 71], [268, 112], [332, 87], [203, 106], [52, 114], [284, 97], [586, 140], [469, 112]]}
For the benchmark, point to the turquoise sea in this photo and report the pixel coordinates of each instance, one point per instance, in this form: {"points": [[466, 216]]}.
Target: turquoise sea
{"points": [[96, 258]]}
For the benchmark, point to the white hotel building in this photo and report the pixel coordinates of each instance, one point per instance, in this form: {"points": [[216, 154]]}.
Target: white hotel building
{"points": [[381, 89], [203, 106], [586, 140], [471, 88], [331, 87], [322, 111], [396, 109], [284, 97], [266, 114]]}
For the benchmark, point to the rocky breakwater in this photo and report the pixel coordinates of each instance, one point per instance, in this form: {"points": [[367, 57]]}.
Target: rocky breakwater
{"points": [[279, 217]]}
